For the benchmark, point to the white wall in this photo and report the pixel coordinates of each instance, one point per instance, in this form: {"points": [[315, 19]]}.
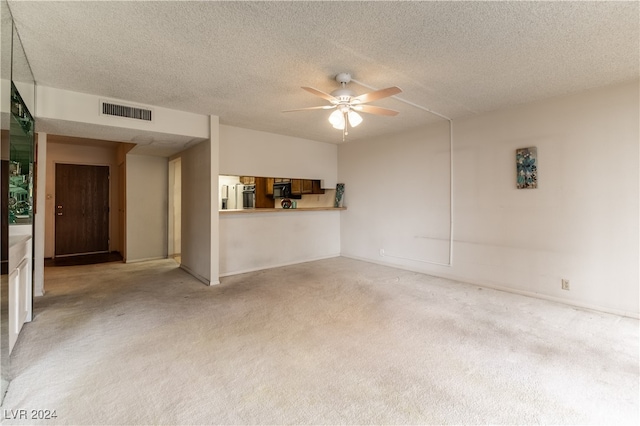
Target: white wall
{"points": [[147, 207], [175, 207], [5, 101], [253, 153], [266, 240], [196, 211], [65, 105], [254, 241], [397, 194], [78, 154], [39, 219], [214, 220], [580, 224]]}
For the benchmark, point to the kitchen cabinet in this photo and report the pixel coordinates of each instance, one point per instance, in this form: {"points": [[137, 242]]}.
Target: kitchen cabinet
{"points": [[316, 187], [270, 186], [264, 189], [296, 186], [263, 200], [305, 186]]}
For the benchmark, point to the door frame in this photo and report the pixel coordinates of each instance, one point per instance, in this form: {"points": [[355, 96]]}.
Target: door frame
{"points": [[55, 163]]}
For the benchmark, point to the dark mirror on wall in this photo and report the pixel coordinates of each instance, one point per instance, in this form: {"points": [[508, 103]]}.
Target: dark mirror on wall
{"points": [[21, 151], [21, 168], [6, 29], [17, 179]]}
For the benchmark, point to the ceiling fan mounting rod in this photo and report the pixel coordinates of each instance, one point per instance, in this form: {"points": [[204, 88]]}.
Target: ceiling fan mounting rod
{"points": [[343, 78]]}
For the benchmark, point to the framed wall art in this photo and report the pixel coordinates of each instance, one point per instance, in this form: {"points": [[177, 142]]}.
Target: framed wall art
{"points": [[527, 168]]}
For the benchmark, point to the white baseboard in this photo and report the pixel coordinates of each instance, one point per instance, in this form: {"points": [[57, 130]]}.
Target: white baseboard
{"points": [[196, 275], [578, 304], [279, 265], [146, 259]]}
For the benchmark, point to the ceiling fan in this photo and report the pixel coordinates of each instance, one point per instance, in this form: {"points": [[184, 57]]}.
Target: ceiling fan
{"points": [[347, 104]]}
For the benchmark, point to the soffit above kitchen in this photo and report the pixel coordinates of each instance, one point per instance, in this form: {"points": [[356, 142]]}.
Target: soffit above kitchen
{"points": [[246, 61]]}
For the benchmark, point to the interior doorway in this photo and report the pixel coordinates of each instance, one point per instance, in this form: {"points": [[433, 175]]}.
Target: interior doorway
{"points": [[81, 209], [175, 210]]}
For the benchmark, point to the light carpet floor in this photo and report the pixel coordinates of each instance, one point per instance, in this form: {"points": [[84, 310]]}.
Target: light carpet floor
{"points": [[336, 341]]}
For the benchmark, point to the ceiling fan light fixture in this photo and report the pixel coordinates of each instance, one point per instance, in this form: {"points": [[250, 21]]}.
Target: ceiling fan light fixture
{"points": [[337, 119], [354, 118], [347, 104]]}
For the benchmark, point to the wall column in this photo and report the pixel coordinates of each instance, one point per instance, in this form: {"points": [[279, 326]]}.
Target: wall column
{"points": [[40, 213], [215, 172]]}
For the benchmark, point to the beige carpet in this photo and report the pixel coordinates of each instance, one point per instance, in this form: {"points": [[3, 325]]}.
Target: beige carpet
{"points": [[330, 342]]}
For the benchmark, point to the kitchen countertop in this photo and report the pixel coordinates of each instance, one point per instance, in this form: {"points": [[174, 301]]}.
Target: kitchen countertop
{"points": [[267, 210]]}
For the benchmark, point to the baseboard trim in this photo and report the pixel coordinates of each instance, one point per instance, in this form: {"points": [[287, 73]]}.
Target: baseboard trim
{"points": [[146, 259], [280, 265], [197, 276], [577, 304]]}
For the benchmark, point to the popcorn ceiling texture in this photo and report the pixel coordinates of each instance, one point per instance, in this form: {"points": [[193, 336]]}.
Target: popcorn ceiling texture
{"points": [[336, 341], [245, 61]]}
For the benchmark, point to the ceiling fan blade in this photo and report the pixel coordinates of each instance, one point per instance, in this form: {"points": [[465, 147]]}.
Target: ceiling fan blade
{"points": [[310, 108], [321, 94], [370, 109], [378, 94]]}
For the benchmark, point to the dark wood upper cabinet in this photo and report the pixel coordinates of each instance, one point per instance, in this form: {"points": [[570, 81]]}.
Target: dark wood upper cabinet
{"points": [[264, 188], [270, 186], [296, 186], [263, 200], [307, 186], [316, 187]]}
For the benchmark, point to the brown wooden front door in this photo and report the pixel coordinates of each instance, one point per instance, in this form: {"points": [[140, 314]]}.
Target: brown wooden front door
{"points": [[82, 209]]}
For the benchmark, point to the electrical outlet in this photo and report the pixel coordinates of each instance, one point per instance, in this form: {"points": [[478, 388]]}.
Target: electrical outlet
{"points": [[381, 252], [565, 284]]}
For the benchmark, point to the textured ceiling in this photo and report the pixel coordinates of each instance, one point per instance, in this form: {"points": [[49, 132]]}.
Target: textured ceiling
{"points": [[246, 61]]}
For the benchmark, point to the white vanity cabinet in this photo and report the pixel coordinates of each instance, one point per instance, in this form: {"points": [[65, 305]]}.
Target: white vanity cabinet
{"points": [[20, 288]]}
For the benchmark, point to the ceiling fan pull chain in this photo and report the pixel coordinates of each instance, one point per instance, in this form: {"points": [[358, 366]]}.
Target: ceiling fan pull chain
{"points": [[346, 124]]}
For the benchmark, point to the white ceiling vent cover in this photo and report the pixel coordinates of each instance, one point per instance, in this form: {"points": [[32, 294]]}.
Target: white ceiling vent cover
{"points": [[126, 111]]}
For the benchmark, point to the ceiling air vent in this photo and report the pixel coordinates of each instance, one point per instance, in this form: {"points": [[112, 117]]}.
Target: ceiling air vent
{"points": [[125, 111]]}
